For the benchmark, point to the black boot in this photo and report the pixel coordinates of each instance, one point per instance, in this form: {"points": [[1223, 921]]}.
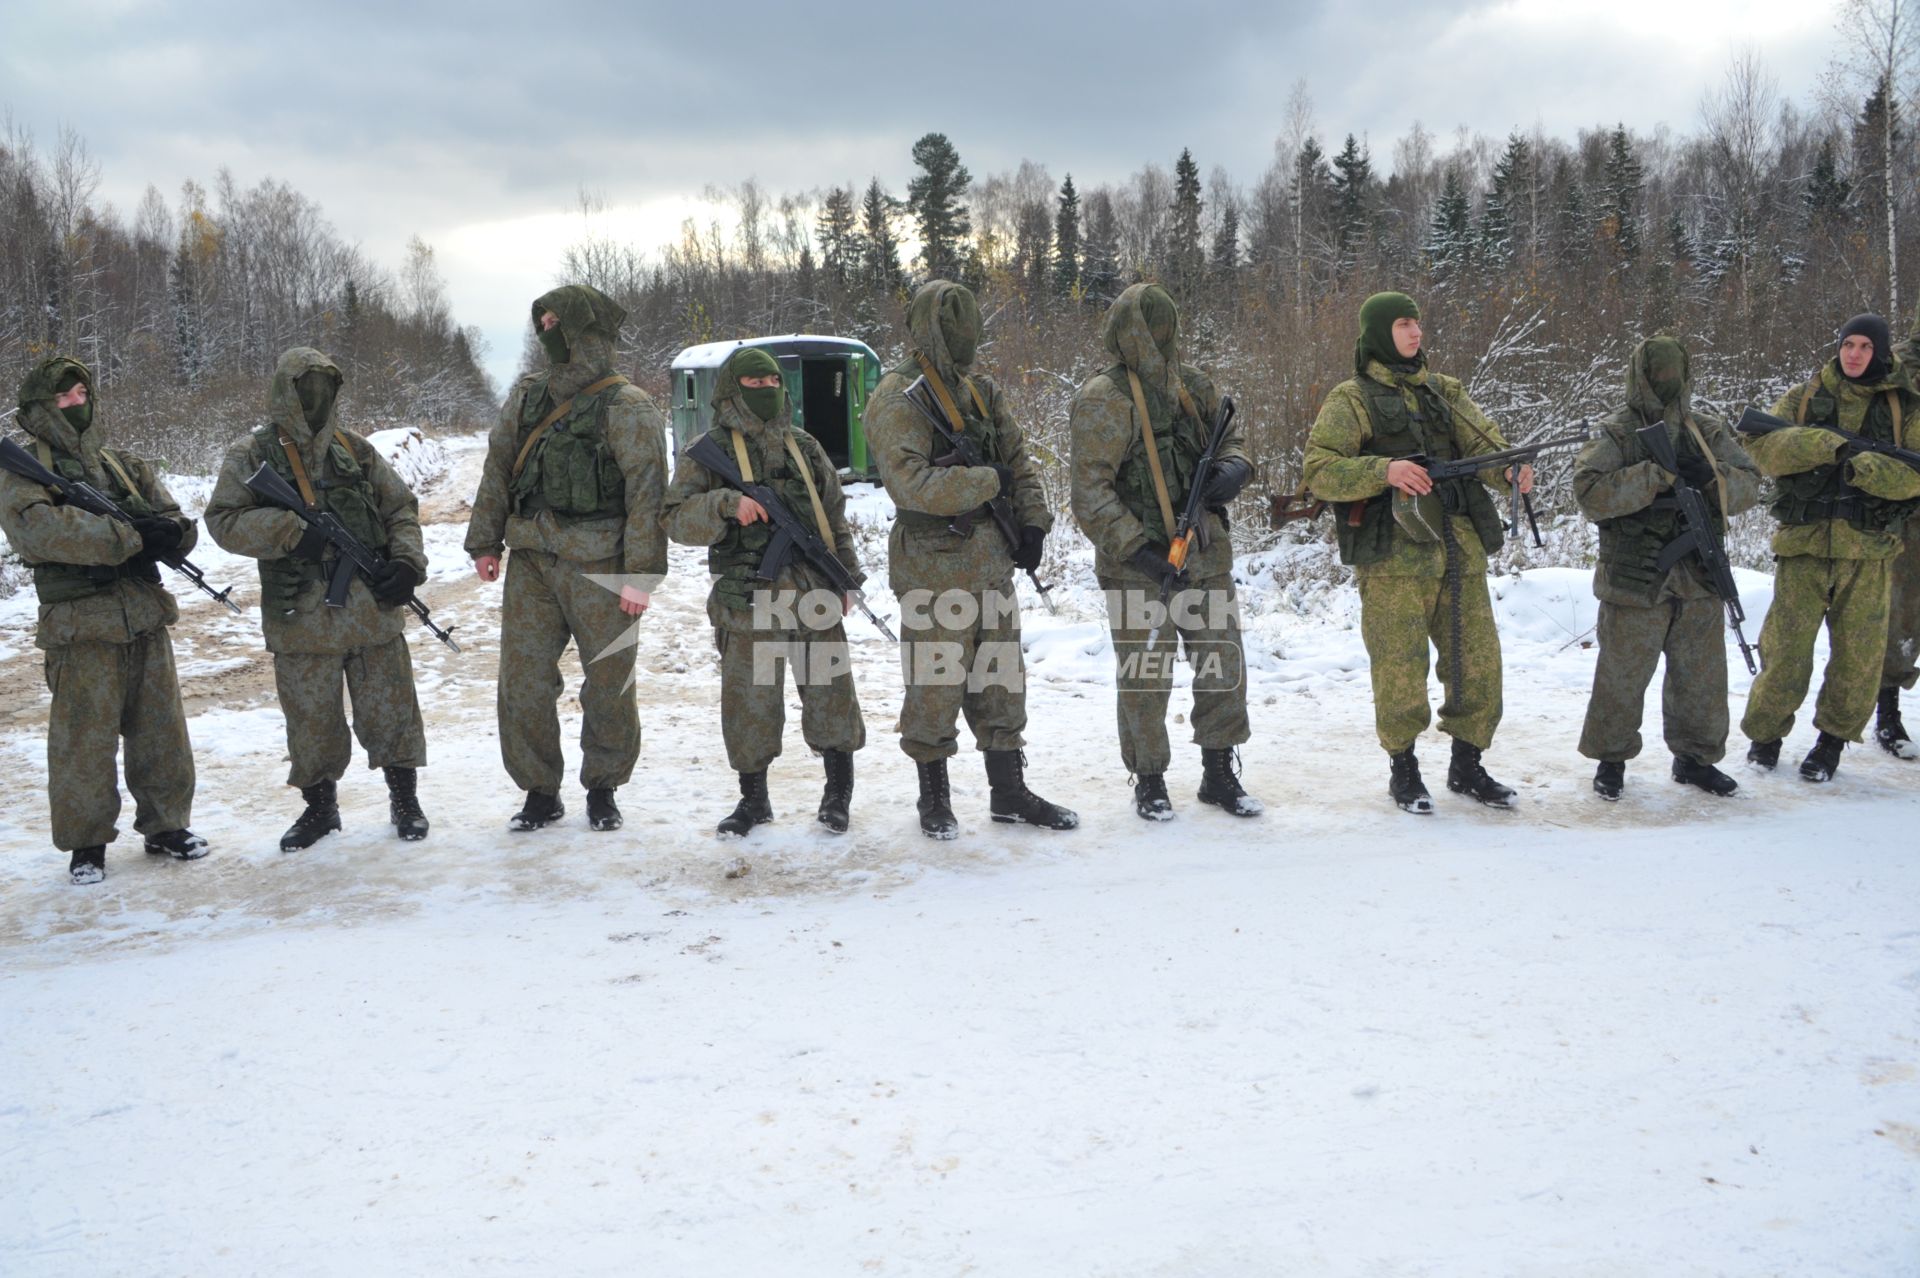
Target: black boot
{"points": [[181, 845], [1012, 803], [1887, 728], [1466, 776], [936, 802], [602, 812], [321, 818], [541, 809], [1150, 796], [753, 808], [89, 865], [1408, 791], [1610, 778], [837, 797], [1220, 784], [1688, 770], [403, 804], [1823, 760], [1764, 755]]}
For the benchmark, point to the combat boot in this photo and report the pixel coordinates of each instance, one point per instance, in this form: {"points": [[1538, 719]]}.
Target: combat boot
{"points": [[1220, 784], [1011, 803], [1764, 755], [1823, 760], [89, 865], [753, 808], [1150, 797], [1887, 728], [403, 803], [1404, 785], [1466, 776], [541, 809], [1610, 778], [936, 802], [1688, 770], [321, 818], [181, 845], [602, 812], [837, 797]]}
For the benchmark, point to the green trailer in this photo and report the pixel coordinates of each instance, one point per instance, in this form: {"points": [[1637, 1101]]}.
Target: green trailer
{"points": [[828, 380]]}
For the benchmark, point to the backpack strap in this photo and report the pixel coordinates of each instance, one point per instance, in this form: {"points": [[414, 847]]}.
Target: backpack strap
{"points": [[546, 423]]}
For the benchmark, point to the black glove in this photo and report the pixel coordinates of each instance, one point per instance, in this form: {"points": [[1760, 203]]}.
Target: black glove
{"points": [[1229, 477], [393, 584], [1696, 470], [313, 545], [1151, 559], [1032, 542], [159, 536], [1006, 478]]}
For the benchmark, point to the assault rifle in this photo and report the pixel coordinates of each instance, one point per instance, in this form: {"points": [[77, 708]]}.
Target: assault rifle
{"points": [[793, 537], [1506, 458], [1696, 537], [1191, 527], [999, 507], [84, 496], [353, 555], [1755, 422]]}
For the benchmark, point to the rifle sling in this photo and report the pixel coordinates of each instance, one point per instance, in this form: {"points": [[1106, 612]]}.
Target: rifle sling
{"points": [[299, 471], [107, 459], [1153, 454], [1719, 476], [546, 423], [806, 477]]}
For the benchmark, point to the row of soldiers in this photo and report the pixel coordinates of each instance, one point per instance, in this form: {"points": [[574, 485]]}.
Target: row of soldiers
{"points": [[575, 507]]}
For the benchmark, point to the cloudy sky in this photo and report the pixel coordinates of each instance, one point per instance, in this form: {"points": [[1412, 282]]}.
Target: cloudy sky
{"points": [[476, 125]]}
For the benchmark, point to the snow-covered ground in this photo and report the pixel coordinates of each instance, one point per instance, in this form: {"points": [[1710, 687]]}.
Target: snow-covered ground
{"points": [[1669, 1036]]}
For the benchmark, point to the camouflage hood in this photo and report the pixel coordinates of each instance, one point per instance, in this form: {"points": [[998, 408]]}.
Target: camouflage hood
{"points": [[590, 321], [943, 324], [40, 419], [730, 410], [1651, 360], [283, 401], [1130, 332]]}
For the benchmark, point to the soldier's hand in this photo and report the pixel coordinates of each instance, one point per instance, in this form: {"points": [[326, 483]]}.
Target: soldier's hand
{"points": [[1525, 479], [393, 584], [158, 535], [749, 511], [1696, 470], [1005, 475], [634, 601], [488, 566], [1410, 478]]}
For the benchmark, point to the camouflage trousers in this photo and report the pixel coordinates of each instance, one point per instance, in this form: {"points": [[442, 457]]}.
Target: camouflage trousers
{"points": [[1850, 595], [103, 692], [549, 602], [1902, 666], [386, 711], [1204, 623], [1400, 617], [960, 654], [1693, 694], [754, 664]]}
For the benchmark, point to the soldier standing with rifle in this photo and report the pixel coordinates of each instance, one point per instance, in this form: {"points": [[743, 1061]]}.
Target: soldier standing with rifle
{"points": [[951, 563], [103, 626], [1140, 433], [1418, 548], [1842, 515], [1902, 666], [762, 627], [317, 646], [1648, 610]]}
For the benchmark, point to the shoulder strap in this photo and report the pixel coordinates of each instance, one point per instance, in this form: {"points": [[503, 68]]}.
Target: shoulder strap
{"points": [[45, 450], [945, 396], [740, 454], [1153, 452], [112, 463], [1899, 429], [546, 423], [1806, 398], [813, 493], [1719, 477], [299, 472], [978, 402]]}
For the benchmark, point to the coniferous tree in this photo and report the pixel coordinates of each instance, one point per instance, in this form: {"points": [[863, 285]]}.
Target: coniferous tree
{"points": [[1449, 237], [1066, 240], [1625, 182], [838, 228], [882, 264], [935, 197], [1100, 268], [1185, 261], [1353, 193]]}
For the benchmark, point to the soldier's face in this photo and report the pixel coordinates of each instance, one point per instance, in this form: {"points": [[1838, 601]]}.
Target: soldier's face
{"points": [[547, 320], [1855, 354], [1406, 337], [72, 397], [761, 383]]}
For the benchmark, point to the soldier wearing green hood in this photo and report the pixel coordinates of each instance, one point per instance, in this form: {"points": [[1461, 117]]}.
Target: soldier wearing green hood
{"points": [[961, 646], [1418, 549], [1901, 668], [1842, 521], [1125, 502], [1646, 614], [103, 627], [761, 627], [574, 476], [317, 648]]}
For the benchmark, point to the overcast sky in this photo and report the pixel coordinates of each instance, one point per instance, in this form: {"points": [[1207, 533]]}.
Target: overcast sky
{"points": [[476, 126]]}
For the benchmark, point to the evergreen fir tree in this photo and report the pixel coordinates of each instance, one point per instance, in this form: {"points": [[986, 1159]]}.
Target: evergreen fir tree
{"points": [[935, 198]]}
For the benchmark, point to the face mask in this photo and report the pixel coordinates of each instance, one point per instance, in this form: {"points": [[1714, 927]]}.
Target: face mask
{"points": [[316, 388], [80, 416], [764, 402], [1163, 321], [960, 327], [554, 342], [1666, 370]]}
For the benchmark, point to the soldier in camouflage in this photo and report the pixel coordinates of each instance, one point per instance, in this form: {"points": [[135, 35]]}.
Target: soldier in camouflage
{"points": [[762, 628], [1646, 614], [961, 649], [1124, 502], [103, 627], [317, 648], [1902, 665], [572, 486], [1841, 524], [1418, 549]]}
